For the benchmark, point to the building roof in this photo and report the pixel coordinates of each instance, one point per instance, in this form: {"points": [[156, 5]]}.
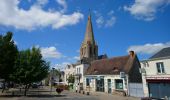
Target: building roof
{"points": [[165, 52], [113, 65], [102, 56]]}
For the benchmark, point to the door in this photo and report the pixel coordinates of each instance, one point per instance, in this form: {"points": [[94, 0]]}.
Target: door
{"points": [[159, 90], [136, 89], [100, 85], [109, 85]]}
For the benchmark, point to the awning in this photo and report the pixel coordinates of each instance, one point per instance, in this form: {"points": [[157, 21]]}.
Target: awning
{"points": [[158, 79]]}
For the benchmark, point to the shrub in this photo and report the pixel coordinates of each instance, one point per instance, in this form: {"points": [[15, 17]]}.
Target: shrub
{"points": [[64, 87], [59, 90]]}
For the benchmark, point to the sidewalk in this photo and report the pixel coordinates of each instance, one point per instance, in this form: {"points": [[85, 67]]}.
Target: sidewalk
{"points": [[106, 96]]}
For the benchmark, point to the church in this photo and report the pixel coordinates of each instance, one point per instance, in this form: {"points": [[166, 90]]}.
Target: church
{"points": [[94, 73]]}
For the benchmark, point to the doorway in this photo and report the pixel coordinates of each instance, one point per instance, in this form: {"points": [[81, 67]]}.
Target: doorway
{"points": [[109, 85], [100, 85]]}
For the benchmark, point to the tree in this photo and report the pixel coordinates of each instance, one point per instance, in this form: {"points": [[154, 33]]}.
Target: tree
{"points": [[58, 73], [30, 67], [70, 79], [8, 55]]}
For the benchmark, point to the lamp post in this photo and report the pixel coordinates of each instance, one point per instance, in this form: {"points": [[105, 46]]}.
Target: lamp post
{"points": [[52, 78]]}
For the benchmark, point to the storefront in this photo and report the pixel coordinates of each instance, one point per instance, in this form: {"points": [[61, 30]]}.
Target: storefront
{"points": [[158, 87], [104, 83]]}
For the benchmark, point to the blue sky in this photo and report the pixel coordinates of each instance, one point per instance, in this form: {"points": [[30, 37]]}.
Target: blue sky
{"points": [[58, 26]]}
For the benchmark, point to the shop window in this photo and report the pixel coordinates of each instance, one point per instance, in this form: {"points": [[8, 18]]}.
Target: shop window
{"points": [[119, 83]]}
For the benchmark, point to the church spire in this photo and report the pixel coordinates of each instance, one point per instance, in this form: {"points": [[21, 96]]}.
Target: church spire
{"points": [[89, 36], [89, 49]]}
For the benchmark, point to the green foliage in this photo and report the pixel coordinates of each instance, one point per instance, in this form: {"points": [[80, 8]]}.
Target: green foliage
{"points": [[58, 73], [8, 55], [30, 67], [71, 79]]}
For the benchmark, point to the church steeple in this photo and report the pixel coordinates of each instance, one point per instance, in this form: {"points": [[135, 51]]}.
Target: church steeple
{"points": [[89, 48], [89, 36]]}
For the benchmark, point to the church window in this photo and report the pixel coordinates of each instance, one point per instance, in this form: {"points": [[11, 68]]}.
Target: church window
{"points": [[90, 51]]}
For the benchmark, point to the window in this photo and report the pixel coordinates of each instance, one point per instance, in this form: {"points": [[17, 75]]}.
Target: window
{"points": [[79, 70], [87, 82], [160, 67], [119, 83]]}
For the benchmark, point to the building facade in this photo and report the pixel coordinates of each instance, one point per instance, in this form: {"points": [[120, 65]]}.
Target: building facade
{"points": [[117, 74], [156, 74], [79, 75], [69, 70]]}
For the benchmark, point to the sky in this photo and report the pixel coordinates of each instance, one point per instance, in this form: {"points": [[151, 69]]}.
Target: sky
{"points": [[57, 27]]}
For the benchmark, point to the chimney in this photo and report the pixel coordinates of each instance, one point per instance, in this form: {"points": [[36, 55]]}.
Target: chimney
{"points": [[131, 53]]}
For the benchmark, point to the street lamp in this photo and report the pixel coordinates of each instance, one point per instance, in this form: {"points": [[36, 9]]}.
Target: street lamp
{"points": [[52, 78]]}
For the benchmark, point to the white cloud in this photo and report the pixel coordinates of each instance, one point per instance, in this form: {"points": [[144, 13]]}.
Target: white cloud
{"points": [[63, 4], [110, 22], [35, 17], [15, 42], [41, 2], [76, 57], [100, 21], [148, 48], [110, 13], [146, 9], [61, 66], [50, 52], [78, 51], [107, 21]]}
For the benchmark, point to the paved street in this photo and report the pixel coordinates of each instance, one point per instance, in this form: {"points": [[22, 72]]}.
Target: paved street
{"points": [[45, 94]]}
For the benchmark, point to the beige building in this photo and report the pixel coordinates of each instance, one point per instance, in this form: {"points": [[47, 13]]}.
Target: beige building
{"points": [[156, 74]]}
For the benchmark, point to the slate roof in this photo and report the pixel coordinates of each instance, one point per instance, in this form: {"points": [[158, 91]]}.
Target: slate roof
{"points": [[102, 56], [111, 66], [162, 53]]}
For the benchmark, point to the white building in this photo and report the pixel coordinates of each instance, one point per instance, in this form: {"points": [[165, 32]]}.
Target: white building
{"points": [[79, 75], [156, 74], [69, 70]]}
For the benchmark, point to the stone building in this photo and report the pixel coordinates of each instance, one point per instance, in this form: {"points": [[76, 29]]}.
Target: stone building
{"points": [[89, 48]]}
